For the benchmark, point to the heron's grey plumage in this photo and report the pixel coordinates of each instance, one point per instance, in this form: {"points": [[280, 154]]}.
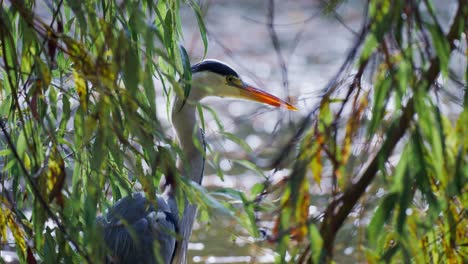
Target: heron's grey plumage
{"points": [[136, 231]]}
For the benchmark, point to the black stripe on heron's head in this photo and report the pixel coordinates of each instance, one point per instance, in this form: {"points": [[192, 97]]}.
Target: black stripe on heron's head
{"points": [[215, 67]]}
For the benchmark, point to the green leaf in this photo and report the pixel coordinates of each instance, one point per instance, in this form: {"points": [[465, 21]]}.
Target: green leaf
{"points": [[370, 44], [257, 189], [202, 198], [403, 75], [442, 47], [325, 116], [381, 96], [187, 73], [201, 116], [201, 25], [250, 166], [316, 244], [131, 74], [405, 200], [380, 217], [400, 171], [21, 145], [237, 140], [248, 218], [422, 177], [5, 152], [215, 116]]}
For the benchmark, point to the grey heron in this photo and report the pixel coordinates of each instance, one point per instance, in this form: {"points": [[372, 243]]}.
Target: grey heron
{"points": [[137, 232]]}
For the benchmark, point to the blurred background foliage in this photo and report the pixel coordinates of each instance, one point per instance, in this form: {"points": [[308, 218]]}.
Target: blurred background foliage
{"points": [[374, 171]]}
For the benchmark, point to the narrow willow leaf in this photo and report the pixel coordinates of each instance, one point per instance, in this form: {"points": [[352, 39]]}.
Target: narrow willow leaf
{"points": [[169, 40], [201, 116], [381, 94], [257, 189], [50, 254], [439, 146], [201, 25], [422, 177], [381, 12], [325, 116], [81, 89], [442, 47], [131, 68], [248, 218], [19, 236], [21, 144], [44, 73], [215, 116], [237, 140], [77, 8], [250, 166], [403, 75], [187, 72], [5, 152], [461, 174], [317, 167], [370, 44], [202, 197], [380, 217], [137, 23], [302, 203], [9, 57], [316, 244], [389, 252], [404, 202], [3, 221], [148, 83], [400, 170], [252, 220]]}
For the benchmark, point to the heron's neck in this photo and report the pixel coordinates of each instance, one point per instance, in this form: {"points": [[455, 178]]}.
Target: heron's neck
{"points": [[188, 131], [190, 165]]}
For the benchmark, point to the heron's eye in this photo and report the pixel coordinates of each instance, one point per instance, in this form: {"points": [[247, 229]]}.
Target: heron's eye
{"points": [[230, 79]]}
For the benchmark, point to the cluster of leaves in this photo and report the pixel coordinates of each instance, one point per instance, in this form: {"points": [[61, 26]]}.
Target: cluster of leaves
{"points": [[78, 116], [416, 153]]}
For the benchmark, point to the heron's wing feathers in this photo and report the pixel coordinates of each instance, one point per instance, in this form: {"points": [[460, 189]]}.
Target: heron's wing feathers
{"points": [[133, 225]]}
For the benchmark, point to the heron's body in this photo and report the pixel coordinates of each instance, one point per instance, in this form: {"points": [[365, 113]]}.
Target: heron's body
{"points": [[134, 230], [133, 225]]}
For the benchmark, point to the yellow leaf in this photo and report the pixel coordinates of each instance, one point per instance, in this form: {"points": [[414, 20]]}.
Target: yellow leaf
{"points": [[3, 224], [45, 74], [26, 161], [80, 88], [55, 176], [18, 234], [316, 167]]}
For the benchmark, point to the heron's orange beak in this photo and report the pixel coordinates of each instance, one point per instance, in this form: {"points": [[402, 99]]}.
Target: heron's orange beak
{"points": [[260, 96]]}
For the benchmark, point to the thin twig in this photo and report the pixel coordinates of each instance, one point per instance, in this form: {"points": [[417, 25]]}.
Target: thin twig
{"points": [[276, 45]]}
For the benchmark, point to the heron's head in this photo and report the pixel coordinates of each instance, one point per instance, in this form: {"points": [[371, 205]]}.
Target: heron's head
{"points": [[215, 78]]}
